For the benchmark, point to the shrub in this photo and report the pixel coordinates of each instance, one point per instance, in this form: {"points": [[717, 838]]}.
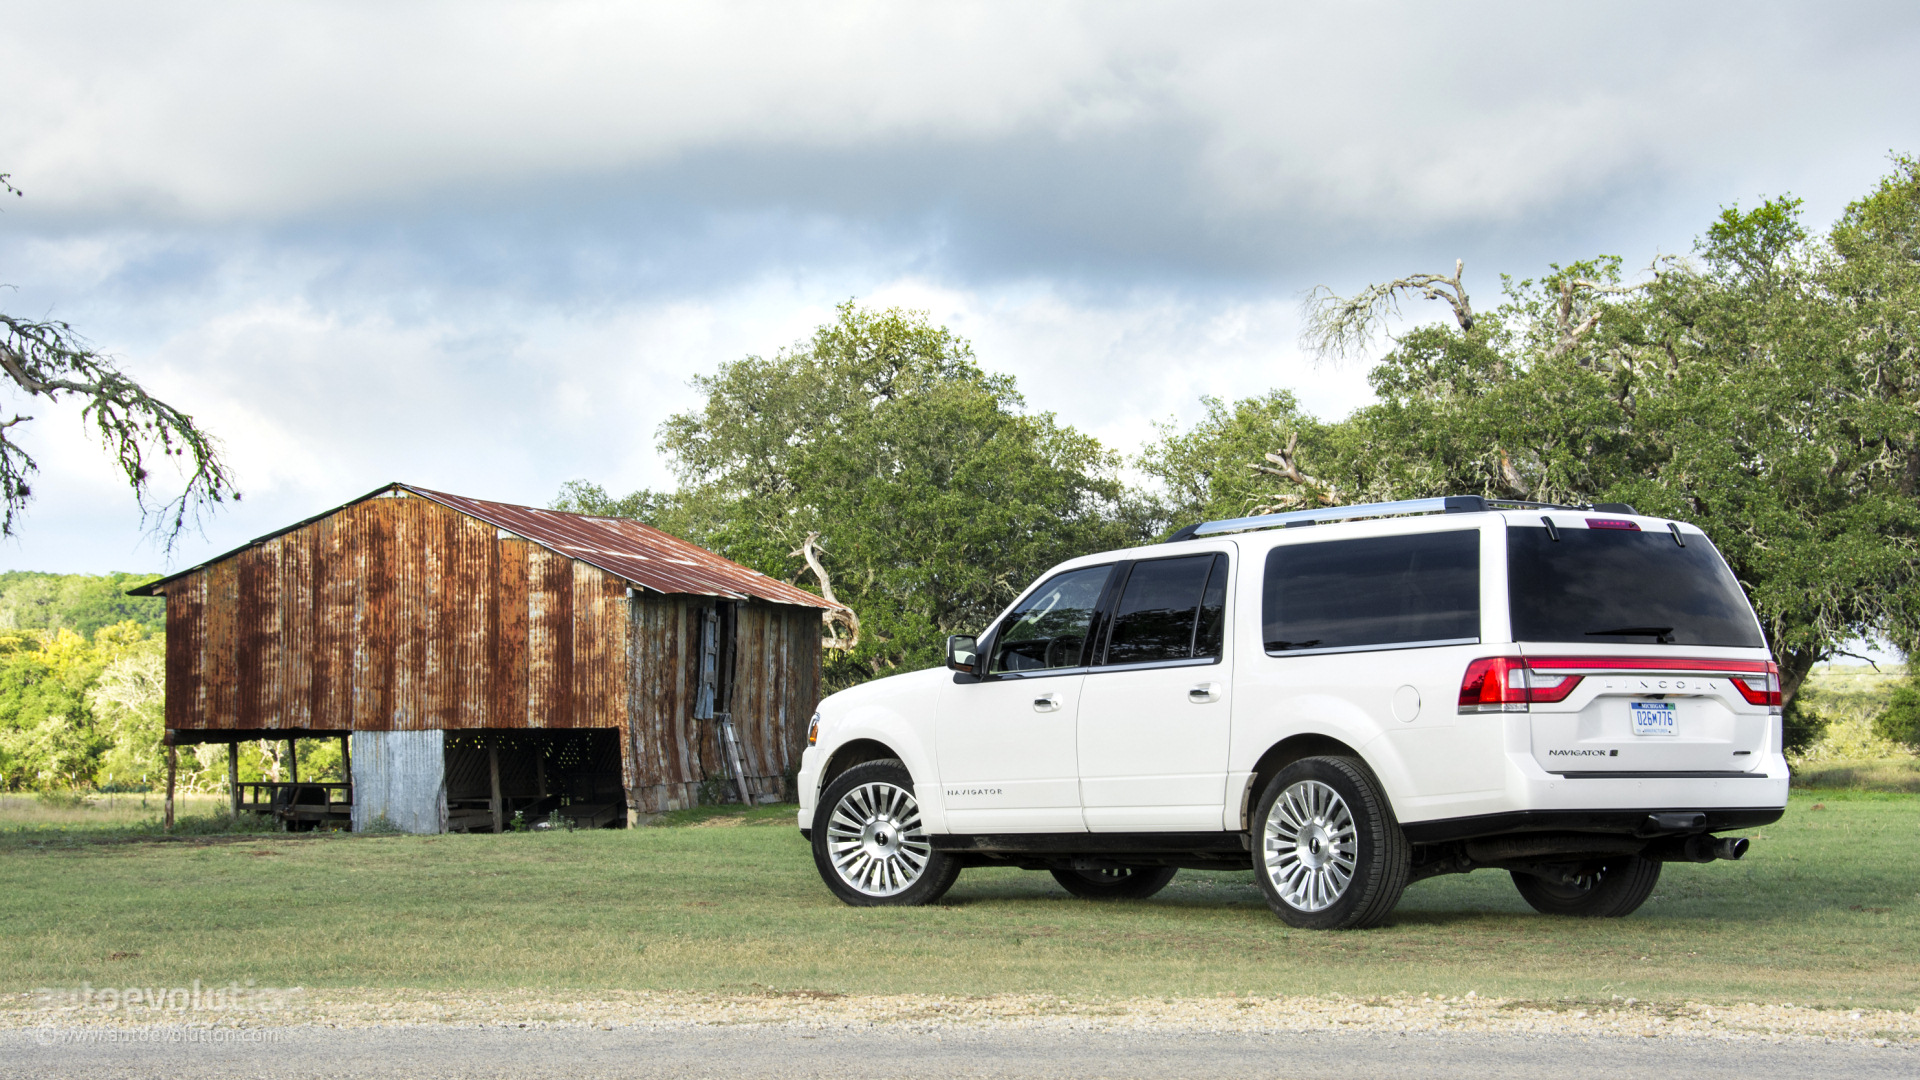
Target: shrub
{"points": [[1804, 722], [1900, 722]]}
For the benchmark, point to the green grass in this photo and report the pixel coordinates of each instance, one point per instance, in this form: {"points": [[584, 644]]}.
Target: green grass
{"points": [[1900, 774], [1826, 910], [73, 818]]}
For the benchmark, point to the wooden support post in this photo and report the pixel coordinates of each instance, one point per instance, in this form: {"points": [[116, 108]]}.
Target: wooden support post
{"points": [[540, 771], [233, 776], [493, 766], [173, 767], [346, 766], [293, 761]]}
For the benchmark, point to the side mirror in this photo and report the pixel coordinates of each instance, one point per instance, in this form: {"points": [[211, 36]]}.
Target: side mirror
{"points": [[963, 652]]}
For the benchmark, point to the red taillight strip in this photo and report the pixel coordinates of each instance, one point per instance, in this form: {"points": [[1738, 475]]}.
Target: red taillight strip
{"points": [[1510, 683]]}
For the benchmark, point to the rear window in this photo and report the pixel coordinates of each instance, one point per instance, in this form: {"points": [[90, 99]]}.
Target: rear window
{"points": [[1622, 586], [1422, 589]]}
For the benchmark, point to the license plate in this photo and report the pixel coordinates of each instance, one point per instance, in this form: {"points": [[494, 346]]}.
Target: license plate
{"points": [[1653, 717]]}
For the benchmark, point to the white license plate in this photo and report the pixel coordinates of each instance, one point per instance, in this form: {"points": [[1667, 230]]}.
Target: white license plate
{"points": [[1652, 717]]}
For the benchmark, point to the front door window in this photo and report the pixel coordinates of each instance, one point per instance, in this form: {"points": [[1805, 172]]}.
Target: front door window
{"points": [[1049, 628]]}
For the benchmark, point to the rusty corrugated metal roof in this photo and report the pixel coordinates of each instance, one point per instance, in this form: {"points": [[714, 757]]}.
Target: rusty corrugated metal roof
{"points": [[639, 554]]}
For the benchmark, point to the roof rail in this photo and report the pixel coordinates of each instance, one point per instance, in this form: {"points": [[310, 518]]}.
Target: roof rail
{"points": [[1444, 504]]}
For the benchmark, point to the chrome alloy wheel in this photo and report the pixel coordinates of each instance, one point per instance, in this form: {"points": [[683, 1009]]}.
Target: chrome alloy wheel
{"points": [[875, 840], [1310, 846]]}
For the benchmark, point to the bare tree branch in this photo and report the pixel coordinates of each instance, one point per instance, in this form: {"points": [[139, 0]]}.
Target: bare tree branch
{"points": [[1574, 289], [840, 614], [1337, 328], [1287, 460]]}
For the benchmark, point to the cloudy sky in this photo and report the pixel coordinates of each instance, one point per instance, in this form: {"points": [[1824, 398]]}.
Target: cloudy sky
{"points": [[482, 246]]}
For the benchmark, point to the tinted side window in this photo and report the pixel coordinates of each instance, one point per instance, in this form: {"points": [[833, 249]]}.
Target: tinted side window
{"points": [[1162, 609], [1049, 628], [1385, 590]]}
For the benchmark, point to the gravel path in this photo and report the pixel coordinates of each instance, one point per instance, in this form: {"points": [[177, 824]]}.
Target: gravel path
{"points": [[782, 1051], [378, 1033]]}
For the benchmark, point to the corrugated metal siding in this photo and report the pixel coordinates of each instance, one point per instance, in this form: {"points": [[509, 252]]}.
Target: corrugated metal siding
{"points": [[403, 614], [400, 776]]}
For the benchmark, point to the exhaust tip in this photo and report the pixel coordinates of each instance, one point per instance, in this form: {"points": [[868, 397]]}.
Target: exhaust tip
{"points": [[1730, 847]]}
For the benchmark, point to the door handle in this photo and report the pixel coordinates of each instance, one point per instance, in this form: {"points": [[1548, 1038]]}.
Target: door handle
{"points": [[1049, 703], [1204, 693]]}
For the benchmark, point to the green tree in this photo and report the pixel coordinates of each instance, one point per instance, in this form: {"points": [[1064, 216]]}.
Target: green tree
{"points": [[1767, 391], [48, 737], [925, 490], [82, 603]]}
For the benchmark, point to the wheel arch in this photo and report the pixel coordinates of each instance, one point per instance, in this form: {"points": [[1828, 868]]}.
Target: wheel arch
{"points": [[1286, 752], [854, 752]]}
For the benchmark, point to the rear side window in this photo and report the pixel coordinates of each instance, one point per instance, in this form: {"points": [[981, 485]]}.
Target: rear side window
{"points": [[1422, 589], [1624, 586], [1170, 609], [1049, 628]]}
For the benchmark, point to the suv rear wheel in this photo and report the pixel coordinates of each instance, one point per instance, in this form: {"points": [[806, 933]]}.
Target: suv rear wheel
{"points": [[868, 842], [1605, 890], [1330, 856], [1125, 883]]}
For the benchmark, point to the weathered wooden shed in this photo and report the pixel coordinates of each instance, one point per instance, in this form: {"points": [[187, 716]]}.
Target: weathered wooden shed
{"points": [[480, 659]]}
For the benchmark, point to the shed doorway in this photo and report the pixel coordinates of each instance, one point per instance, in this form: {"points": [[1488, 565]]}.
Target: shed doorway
{"points": [[499, 781]]}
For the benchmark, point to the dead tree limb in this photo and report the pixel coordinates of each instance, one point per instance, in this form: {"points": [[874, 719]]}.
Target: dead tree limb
{"points": [[1338, 327], [1286, 465], [837, 616], [1573, 325]]}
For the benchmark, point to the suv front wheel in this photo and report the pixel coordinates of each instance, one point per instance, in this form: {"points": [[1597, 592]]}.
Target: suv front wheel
{"points": [[1330, 855], [868, 842]]}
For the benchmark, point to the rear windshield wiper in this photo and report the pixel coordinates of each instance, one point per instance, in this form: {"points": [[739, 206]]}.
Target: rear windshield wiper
{"points": [[1661, 634]]}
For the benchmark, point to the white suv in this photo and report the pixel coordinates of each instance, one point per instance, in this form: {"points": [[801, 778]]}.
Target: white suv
{"points": [[1571, 694]]}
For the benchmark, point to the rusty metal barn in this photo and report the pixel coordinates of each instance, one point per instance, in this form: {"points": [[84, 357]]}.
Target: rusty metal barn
{"points": [[488, 666]]}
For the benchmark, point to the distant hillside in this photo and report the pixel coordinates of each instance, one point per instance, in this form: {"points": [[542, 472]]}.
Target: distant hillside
{"points": [[81, 603]]}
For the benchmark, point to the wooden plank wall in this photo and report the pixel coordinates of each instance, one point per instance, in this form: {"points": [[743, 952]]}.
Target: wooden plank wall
{"points": [[396, 614], [776, 673], [776, 686]]}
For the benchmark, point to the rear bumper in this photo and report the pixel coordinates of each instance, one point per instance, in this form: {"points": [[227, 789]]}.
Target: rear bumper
{"points": [[1636, 822]]}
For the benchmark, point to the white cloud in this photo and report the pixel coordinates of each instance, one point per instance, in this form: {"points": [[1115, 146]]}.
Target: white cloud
{"points": [[1369, 111], [483, 245]]}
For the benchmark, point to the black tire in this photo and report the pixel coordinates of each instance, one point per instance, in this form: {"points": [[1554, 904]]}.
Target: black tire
{"points": [[1319, 819], [1127, 883], [868, 844], [1609, 889]]}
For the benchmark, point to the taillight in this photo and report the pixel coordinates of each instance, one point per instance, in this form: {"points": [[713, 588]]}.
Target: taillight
{"points": [[1612, 523], [1508, 684], [1760, 688]]}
